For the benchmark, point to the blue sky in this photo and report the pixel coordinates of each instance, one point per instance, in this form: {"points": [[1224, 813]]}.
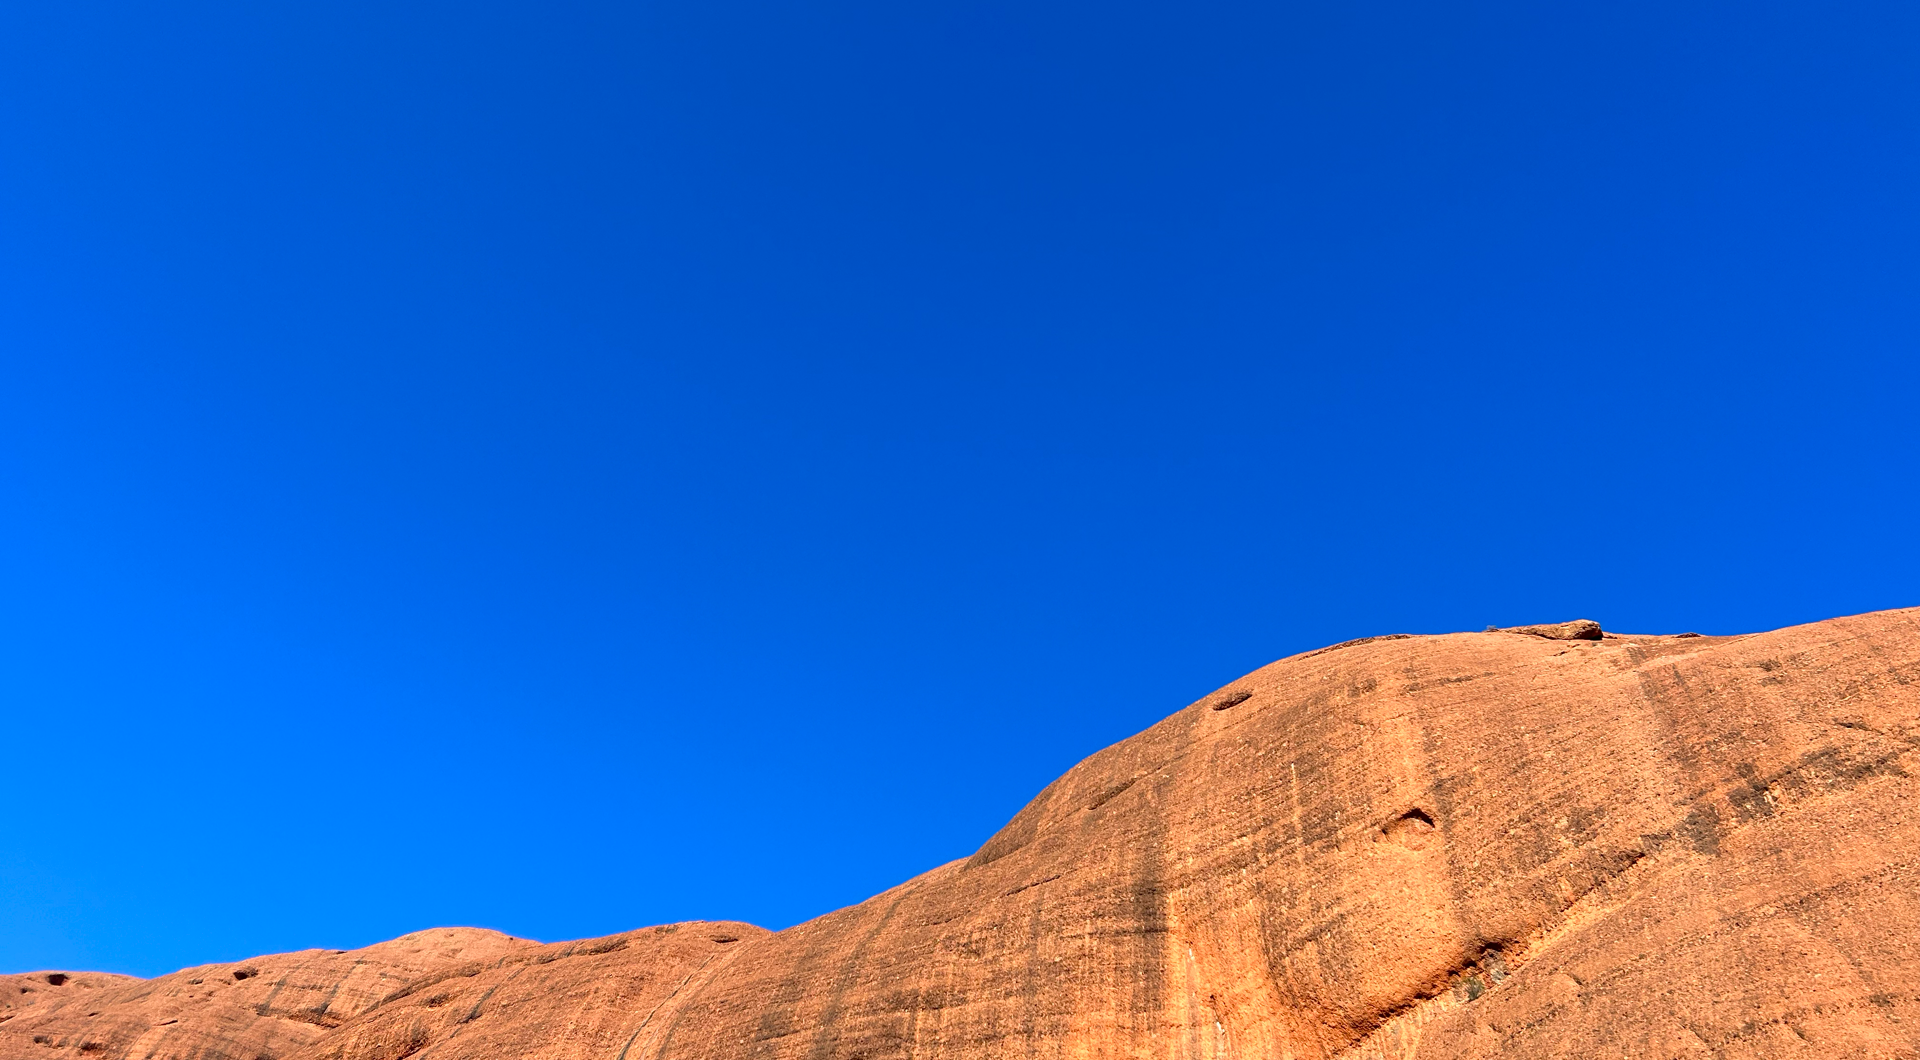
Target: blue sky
{"points": [[563, 467]]}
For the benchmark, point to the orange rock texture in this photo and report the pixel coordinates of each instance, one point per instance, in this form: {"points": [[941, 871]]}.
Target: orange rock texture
{"points": [[1517, 843]]}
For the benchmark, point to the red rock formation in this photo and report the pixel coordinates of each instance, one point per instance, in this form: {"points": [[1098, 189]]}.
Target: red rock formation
{"points": [[18, 993], [571, 999], [268, 1006], [1472, 845]]}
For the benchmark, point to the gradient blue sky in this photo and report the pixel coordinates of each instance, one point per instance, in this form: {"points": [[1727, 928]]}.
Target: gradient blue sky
{"points": [[569, 466]]}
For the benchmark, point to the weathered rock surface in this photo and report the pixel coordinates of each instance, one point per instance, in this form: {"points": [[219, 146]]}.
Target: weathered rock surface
{"points": [[18, 993], [1471, 845], [268, 1006], [1578, 629]]}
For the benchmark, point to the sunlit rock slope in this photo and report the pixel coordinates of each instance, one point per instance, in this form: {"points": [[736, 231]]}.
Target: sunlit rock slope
{"points": [[1536, 842]]}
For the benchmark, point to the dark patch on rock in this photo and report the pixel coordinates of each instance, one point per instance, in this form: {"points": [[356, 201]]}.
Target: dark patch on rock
{"points": [[1232, 699], [1578, 629], [1413, 829]]}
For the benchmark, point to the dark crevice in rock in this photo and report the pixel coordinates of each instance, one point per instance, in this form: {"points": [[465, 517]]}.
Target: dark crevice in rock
{"points": [[1233, 699], [1354, 644], [1026, 886]]}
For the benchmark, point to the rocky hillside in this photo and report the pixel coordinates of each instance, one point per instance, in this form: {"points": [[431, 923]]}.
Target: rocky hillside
{"points": [[1538, 842]]}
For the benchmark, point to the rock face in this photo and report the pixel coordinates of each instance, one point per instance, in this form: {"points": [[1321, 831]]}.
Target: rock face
{"points": [[1474, 845], [18, 993], [269, 1006], [1578, 629]]}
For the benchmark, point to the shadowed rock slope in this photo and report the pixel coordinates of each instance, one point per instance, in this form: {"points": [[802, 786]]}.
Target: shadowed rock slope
{"points": [[1510, 843]]}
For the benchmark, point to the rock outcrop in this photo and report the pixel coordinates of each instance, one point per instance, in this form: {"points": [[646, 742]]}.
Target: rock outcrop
{"points": [[1578, 629], [265, 1007], [18, 993], [1471, 845]]}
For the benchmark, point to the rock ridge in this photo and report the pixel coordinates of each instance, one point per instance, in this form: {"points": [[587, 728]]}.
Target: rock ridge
{"points": [[1537, 841]]}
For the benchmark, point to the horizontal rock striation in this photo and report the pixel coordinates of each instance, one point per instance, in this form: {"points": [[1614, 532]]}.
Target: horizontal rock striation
{"points": [[1470, 845]]}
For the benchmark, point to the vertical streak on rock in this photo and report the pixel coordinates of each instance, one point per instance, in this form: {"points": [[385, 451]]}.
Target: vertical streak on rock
{"points": [[680, 1010], [473, 1013], [1146, 917], [912, 1034], [940, 1020], [266, 1003], [675, 995], [333, 994], [1030, 995], [1193, 1006], [1278, 930], [1446, 810], [827, 1035]]}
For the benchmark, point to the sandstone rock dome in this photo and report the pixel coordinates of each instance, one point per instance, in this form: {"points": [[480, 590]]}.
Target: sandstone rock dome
{"points": [[1517, 843]]}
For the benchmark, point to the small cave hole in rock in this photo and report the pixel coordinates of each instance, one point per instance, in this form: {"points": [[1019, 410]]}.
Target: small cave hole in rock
{"points": [[1232, 700], [244, 973], [57, 979], [1413, 829], [726, 938]]}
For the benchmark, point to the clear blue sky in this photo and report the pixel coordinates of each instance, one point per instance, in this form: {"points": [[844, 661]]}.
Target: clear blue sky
{"points": [[569, 466]]}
